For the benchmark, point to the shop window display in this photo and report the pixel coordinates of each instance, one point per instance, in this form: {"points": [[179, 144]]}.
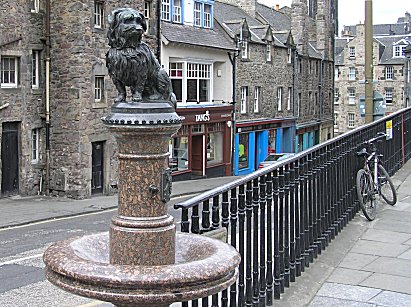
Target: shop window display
{"points": [[243, 151], [215, 147]]}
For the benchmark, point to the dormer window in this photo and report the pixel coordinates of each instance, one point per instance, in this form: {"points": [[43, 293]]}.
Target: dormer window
{"points": [[289, 56], [203, 14], [399, 51], [177, 11], [268, 53], [244, 49]]}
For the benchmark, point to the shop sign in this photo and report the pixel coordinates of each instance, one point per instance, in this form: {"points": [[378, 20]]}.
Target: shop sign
{"points": [[203, 117]]}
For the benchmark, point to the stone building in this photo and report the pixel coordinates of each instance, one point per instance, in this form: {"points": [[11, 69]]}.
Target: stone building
{"points": [[389, 44], [283, 77], [54, 90]]}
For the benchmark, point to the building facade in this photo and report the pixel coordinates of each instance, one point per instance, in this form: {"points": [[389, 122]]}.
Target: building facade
{"points": [[389, 69], [54, 90]]}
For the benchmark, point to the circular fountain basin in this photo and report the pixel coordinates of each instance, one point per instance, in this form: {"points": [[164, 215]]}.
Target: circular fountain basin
{"points": [[203, 266]]}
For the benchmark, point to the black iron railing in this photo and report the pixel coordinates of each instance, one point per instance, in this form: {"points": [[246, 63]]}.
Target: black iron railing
{"points": [[281, 217]]}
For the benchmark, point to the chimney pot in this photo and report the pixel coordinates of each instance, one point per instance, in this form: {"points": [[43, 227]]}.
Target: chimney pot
{"points": [[277, 7]]}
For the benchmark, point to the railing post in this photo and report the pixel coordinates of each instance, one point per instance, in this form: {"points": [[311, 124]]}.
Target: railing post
{"points": [[269, 278], [241, 231], [292, 222], [263, 202], [286, 226], [248, 277], [277, 282], [233, 237], [281, 226], [256, 294]]}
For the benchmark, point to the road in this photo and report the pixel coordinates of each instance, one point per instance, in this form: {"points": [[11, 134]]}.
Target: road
{"points": [[22, 281]]}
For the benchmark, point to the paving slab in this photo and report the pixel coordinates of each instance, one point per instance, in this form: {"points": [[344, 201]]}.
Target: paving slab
{"points": [[389, 298], [356, 261], [348, 292], [378, 248], [406, 255], [390, 214], [321, 301], [386, 236], [408, 242], [348, 276], [396, 226], [390, 266], [389, 282]]}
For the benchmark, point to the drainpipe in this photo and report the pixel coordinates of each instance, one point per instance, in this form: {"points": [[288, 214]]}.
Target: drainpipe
{"points": [[158, 31], [295, 67], [47, 179]]}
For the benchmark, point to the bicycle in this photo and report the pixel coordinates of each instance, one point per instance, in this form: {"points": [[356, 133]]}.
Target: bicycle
{"points": [[373, 179]]}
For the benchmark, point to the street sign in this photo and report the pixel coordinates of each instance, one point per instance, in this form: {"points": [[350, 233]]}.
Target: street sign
{"points": [[388, 129]]}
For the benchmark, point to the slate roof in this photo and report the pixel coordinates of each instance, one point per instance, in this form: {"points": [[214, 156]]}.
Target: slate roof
{"points": [[386, 57], [184, 34], [383, 29], [277, 19], [225, 12], [339, 46], [313, 53]]}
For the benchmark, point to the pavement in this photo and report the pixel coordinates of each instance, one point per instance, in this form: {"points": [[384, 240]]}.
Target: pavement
{"points": [[367, 264]]}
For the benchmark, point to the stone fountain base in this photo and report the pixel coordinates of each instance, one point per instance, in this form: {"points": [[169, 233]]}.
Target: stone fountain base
{"points": [[203, 266]]}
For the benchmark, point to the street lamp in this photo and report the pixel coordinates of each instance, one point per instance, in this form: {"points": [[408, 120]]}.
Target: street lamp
{"points": [[407, 77]]}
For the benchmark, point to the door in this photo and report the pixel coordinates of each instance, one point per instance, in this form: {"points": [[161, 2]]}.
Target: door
{"points": [[97, 167], [10, 159], [197, 156]]}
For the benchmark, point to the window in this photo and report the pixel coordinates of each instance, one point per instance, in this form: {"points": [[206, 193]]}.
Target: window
{"points": [[351, 120], [389, 72], [177, 11], [197, 14], [351, 75], [399, 51], [257, 99], [98, 14], [215, 141], [352, 52], [147, 13], [179, 152], [388, 95], [35, 6], [9, 72], [351, 96], [289, 98], [176, 76], [279, 98], [165, 10], [203, 14], [268, 53], [336, 95], [335, 119], [99, 88], [35, 138], [336, 73], [289, 56], [198, 82], [244, 49], [35, 69], [243, 106], [243, 151]]}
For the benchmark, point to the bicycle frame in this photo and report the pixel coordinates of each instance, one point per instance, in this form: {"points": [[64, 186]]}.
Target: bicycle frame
{"points": [[373, 158]]}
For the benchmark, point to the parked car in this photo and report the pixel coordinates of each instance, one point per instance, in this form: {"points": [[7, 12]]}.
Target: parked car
{"points": [[273, 158]]}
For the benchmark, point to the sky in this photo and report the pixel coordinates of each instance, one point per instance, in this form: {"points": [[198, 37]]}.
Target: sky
{"points": [[351, 12]]}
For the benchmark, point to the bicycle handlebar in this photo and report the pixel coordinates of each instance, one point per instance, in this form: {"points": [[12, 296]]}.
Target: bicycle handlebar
{"points": [[380, 136]]}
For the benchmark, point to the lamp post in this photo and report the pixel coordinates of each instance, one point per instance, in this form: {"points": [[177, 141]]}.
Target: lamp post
{"points": [[369, 95], [407, 76]]}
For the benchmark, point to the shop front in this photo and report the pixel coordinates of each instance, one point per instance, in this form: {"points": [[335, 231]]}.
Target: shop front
{"points": [[308, 135], [202, 146], [255, 140]]}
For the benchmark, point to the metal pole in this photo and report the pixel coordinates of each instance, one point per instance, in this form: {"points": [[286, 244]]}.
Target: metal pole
{"points": [[369, 95]]}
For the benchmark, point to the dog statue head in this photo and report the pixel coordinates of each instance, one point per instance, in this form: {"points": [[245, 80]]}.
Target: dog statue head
{"points": [[126, 27]]}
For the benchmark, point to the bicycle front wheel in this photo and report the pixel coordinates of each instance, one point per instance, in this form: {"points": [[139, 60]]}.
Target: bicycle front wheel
{"points": [[387, 190], [366, 195]]}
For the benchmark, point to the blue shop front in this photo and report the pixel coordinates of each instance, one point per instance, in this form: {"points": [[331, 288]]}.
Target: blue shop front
{"points": [[255, 140]]}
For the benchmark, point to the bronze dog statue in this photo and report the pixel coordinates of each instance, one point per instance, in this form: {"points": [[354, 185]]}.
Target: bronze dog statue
{"points": [[130, 61]]}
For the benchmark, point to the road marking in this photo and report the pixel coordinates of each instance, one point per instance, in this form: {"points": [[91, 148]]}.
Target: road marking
{"points": [[21, 259]]}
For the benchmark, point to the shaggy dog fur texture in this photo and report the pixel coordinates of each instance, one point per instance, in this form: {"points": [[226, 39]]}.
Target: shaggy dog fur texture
{"points": [[131, 63]]}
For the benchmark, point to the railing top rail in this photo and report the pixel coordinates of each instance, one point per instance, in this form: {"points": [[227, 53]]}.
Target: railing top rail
{"points": [[242, 181]]}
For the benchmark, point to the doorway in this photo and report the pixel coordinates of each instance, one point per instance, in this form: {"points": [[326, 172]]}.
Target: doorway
{"points": [[97, 167], [10, 159], [197, 156]]}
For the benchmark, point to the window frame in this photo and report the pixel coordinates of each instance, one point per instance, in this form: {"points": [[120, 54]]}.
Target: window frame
{"points": [[391, 94], [400, 52], [166, 12], [203, 14], [243, 99], [98, 14], [99, 88], [35, 145], [290, 91], [351, 93], [279, 98], [15, 71], [389, 73], [351, 120], [35, 6], [352, 76], [35, 69], [257, 99], [268, 52], [351, 52], [244, 49], [289, 55], [178, 14]]}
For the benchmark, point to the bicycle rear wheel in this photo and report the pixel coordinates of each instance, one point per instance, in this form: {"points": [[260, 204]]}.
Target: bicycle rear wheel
{"points": [[387, 190], [366, 195]]}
